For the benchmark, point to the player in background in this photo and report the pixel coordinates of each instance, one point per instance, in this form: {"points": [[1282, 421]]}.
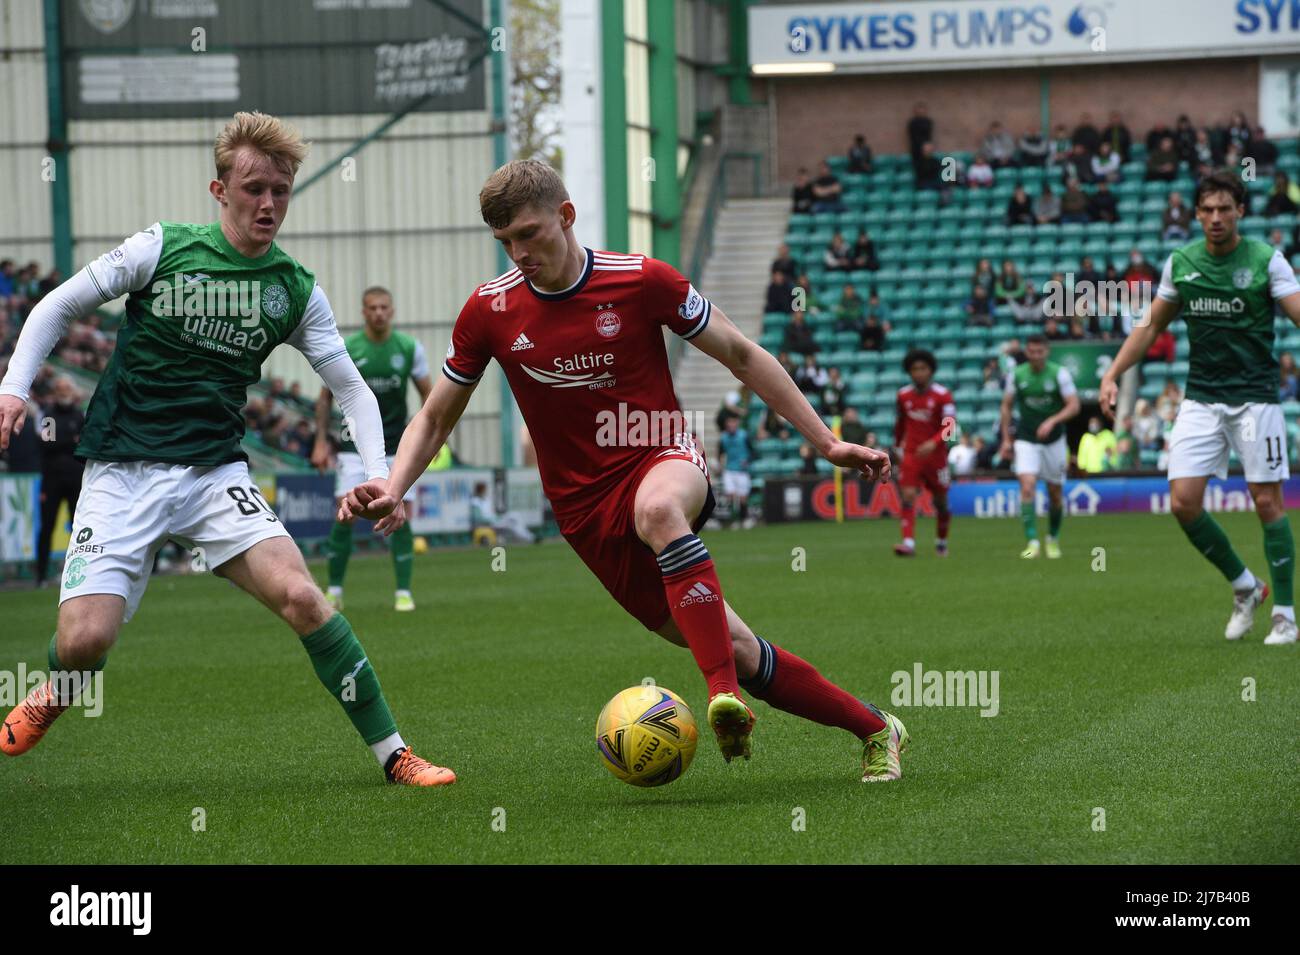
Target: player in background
{"points": [[926, 417], [734, 457], [389, 361], [205, 306], [579, 336], [1226, 287], [1044, 397]]}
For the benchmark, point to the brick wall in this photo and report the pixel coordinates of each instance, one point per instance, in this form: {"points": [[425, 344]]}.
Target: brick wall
{"points": [[818, 116]]}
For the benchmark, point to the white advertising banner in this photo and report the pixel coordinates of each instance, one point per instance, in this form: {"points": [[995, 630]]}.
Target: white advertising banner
{"points": [[442, 500], [932, 34], [18, 517]]}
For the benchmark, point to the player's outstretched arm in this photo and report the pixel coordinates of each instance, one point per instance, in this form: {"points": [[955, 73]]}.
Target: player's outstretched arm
{"points": [[422, 439], [74, 299], [1290, 306], [1145, 331], [764, 375]]}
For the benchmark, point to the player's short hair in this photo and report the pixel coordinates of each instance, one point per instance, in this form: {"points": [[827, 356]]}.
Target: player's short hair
{"points": [[515, 186], [376, 290], [922, 355], [1221, 180], [269, 135], [1037, 338]]}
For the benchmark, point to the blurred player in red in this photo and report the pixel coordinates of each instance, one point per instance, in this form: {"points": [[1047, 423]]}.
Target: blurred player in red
{"points": [[578, 334], [926, 418]]}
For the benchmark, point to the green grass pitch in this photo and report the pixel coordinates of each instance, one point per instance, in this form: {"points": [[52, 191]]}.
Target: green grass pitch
{"points": [[1117, 692]]}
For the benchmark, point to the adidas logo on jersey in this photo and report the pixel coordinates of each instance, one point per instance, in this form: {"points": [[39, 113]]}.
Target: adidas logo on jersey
{"points": [[699, 594], [521, 343]]}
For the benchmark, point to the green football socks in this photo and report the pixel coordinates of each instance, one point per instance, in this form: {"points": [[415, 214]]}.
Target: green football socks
{"points": [[1054, 517], [402, 544], [339, 548], [1029, 519], [1279, 549], [344, 671], [1207, 537]]}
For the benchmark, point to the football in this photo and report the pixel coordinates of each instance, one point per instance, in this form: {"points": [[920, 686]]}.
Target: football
{"points": [[646, 735]]}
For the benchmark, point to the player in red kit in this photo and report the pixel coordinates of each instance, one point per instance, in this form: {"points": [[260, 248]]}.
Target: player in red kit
{"points": [[926, 416], [579, 336]]}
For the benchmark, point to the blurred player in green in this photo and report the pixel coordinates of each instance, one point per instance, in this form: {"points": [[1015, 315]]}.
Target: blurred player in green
{"points": [[389, 361], [1226, 287], [1044, 398]]}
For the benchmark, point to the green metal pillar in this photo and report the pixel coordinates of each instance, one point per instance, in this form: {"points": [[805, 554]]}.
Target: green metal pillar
{"points": [[499, 157], [737, 68], [665, 190], [1045, 102], [57, 142], [613, 66]]}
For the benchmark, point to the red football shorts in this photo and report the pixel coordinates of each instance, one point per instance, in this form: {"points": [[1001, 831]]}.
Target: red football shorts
{"points": [[605, 537], [929, 472]]}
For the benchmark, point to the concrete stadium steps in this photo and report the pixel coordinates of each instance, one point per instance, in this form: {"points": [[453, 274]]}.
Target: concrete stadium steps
{"points": [[746, 236]]}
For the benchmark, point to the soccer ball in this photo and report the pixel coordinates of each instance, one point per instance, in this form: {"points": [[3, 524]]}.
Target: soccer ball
{"points": [[646, 735]]}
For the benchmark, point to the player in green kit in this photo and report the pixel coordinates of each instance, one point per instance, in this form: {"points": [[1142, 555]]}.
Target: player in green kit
{"points": [[205, 306], [1226, 287], [1044, 398], [390, 362]]}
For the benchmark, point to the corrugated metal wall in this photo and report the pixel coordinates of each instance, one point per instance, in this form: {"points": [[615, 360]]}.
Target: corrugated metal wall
{"points": [[405, 216]]}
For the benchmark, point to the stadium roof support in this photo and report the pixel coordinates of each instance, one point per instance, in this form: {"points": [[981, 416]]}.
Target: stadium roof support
{"points": [[57, 142], [665, 191]]}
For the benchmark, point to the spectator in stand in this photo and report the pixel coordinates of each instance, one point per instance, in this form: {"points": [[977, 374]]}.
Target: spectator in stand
{"points": [[984, 275], [833, 394], [811, 303], [1028, 309], [780, 294], [810, 377], [1146, 426], [1164, 348], [1086, 135], [1169, 400], [1052, 329], [920, 130], [1263, 151], [732, 407], [864, 252], [1117, 134], [6, 281], [838, 257], [1087, 275], [874, 333], [1278, 241], [992, 381], [1106, 165], [1078, 166], [1102, 204], [1177, 219], [802, 194], [785, 263], [1095, 446], [1158, 132], [774, 426], [1185, 139], [1139, 269], [1204, 155], [1047, 207], [1009, 286], [928, 169], [799, 336], [1020, 208], [851, 311], [1077, 331], [1290, 378], [859, 155], [1061, 146], [60, 470], [1162, 162], [1124, 455], [1284, 197], [852, 429], [786, 362], [1074, 203], [828, 193], [980, 173], [961, 457], [1240, 132], [807, 458], [998, 146], [979, 308], [1033, 149]]}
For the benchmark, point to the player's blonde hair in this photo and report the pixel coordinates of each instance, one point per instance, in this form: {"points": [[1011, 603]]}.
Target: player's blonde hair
{"points": [[516, 185], [269, 135]]}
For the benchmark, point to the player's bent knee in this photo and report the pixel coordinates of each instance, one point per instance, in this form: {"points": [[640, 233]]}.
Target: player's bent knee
{"points": [[658, 517], [303, 606], [88, 629]]}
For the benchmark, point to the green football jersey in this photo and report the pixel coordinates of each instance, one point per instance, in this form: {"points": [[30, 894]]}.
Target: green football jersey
{"points": [[200, 320], [388, 368], [1038, 396], [1227, 302]]}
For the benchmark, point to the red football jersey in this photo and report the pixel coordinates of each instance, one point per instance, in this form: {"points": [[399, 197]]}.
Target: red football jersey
{"points": [[587, 365], [921, 417]]}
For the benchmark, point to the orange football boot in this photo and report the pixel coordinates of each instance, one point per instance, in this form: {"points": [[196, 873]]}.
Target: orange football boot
{"points": [[28, 721], [407, 769]]}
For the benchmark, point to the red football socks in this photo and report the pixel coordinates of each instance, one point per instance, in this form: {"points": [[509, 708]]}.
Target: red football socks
{"points": [[695, 602], [908, 520], [794, 685]]}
